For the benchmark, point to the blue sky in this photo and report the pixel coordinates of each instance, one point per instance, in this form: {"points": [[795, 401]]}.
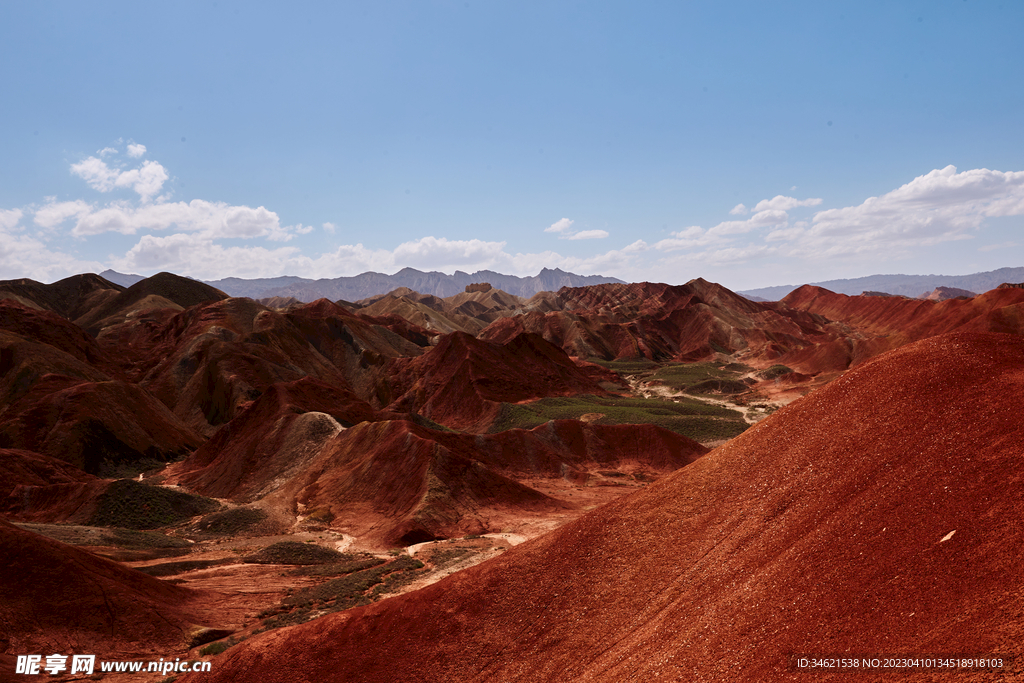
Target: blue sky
{"points": [[750, 143]]}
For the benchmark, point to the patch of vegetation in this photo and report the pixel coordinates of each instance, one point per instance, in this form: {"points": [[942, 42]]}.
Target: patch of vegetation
{"points": [[127, 469], [446, 556], [351, 563], [172, 568], [774, 372], [681, 376], [320, 516], [233, 521], [293, 552], [690, 417], [128, 538], [217, 648], [628, 367], [132, 505], [717, 386], [343, 593]]}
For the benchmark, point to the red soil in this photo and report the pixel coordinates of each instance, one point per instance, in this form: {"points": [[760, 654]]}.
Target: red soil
{"points": [[906, 320], [259, 446], [87, 423], [395, 482], [662, 322], [69, 298], [37, 488], [58, 598], [824, 529], [462, 381], [18, 467], [34, 343]]}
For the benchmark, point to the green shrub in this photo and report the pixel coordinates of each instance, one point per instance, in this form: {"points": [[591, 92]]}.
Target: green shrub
{"points": [[133, 505]]}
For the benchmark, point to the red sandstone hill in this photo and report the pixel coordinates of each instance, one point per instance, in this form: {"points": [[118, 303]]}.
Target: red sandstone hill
{"points": [[273, 438], [34, 343], [93, 425], [880, 515], [161, 291], [462, 381], [58, 598], [468, 311], [877, 324], [209, 361], [360, 346], [396, 483], [662, 322], [62, 395], [69, 298], [36, 487]]}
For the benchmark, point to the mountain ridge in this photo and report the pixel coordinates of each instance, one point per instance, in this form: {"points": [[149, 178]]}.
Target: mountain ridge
{"points": [[897, 283]]}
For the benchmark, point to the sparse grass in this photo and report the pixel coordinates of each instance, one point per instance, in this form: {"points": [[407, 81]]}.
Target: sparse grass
{"points": [[774, 372], [717, 386], [127, 538], [127, 469], [628, 367], [681, 376], [320, 516], [233, 521], [446, 556], [172, 568], [132, 505], [351, 563], [217, 648], [692, 418], [348, 591], [293, 552]]}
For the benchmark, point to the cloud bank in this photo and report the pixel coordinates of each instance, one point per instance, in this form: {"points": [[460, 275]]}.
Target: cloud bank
{"points": [[212, 239]]}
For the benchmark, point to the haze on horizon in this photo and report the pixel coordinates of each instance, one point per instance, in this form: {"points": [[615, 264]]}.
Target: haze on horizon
{"points": [[752, 144]]}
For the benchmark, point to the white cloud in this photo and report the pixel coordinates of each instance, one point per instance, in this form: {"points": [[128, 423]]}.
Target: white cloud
{"points": [[738, 210], [24, 256], [588, 235], [1003, 245], [199, 256], [145, 180], [136, 151], [107, 150], [96, 173], [785, 234], [440, 253], [781, 203], [940, 206], [560, 225], [212, 219], [54, 213], [329, 228], [688, 238], [9, 218], [563, 228], [761, 219]]}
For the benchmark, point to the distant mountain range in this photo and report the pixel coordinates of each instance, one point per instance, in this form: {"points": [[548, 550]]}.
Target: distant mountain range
{"points": [[906, 285], [371, 284]]}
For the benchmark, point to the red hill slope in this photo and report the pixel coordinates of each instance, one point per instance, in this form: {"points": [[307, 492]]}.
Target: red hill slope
{"points": [[876, 324], [273, 437], [58, 598], [462, 381], [69, 298], [662, 322], [882, 514], [394, 482]]}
